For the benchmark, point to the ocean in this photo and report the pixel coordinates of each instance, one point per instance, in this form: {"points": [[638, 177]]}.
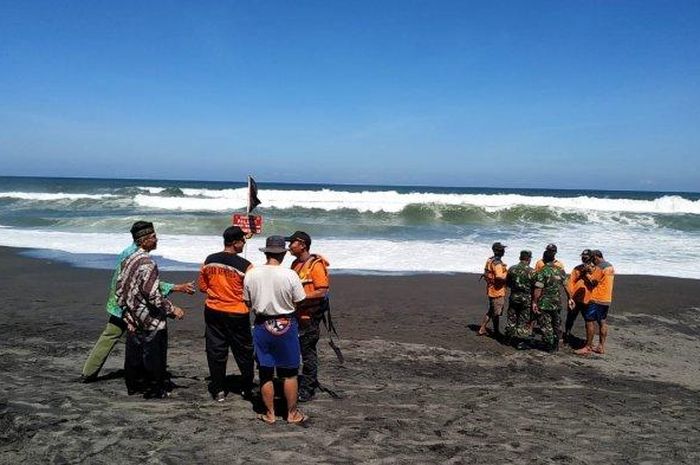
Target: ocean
{"points": [[360, 229]]}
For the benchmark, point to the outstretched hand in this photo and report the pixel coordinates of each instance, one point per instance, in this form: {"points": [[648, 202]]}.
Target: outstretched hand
{"points": [[185, 288]]}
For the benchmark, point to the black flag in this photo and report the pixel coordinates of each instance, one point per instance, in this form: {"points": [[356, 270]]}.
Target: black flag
{"points": [[253, 200]]}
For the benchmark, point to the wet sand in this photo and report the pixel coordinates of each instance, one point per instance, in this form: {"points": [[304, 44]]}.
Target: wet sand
{"points": [[417, 386]]}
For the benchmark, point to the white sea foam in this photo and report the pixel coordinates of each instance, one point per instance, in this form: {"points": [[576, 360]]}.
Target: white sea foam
{"points": [[189, 203], [393, 201], [44, 196], [632, 252], [152, 190], [217, 200]]}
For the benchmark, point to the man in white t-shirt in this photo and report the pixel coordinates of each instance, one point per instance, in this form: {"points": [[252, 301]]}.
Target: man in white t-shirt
{"points": [[271, 292]]}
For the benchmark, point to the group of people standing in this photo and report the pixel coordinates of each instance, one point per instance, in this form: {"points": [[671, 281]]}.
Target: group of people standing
{"points": [[285, 307], [535, 298]]}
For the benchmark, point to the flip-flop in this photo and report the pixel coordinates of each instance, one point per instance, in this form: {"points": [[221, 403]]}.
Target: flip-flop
{"points": [[300, 421], [264, 419]]}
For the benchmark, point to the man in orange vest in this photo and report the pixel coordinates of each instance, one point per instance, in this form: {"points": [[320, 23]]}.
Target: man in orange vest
{"points": [[313, 272], [578, 291], [495, 272], [226, 315], [600, 280]]}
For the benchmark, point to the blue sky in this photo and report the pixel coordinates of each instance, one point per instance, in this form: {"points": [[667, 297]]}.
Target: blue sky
{"points": [[556, 94]]}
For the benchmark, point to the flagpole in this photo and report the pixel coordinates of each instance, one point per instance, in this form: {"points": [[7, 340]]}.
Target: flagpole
{"points": [[248, 210], [245, 247]]}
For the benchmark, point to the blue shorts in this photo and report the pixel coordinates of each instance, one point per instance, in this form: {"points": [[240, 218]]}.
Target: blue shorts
{"points": [[276, 342], [596, 312]]}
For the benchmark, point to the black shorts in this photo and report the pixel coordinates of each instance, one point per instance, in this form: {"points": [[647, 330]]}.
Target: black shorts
{"points": [[268, 373]]}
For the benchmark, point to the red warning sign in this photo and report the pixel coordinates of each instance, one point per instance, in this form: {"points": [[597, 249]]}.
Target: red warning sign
{"points": [[248, 223]]}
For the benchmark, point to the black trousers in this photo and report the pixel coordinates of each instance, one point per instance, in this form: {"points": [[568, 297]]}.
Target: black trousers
{"points": [[225, 331], [308, 339], [146, 361], [572, 314]]}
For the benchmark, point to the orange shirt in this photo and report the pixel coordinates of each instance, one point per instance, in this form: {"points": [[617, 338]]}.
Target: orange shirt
{"points": [[604, 274], [557, 264], [221, 278], [313, 274], [495, 272], [576, 286]]}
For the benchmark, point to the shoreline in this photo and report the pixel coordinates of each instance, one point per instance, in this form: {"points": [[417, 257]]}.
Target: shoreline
{"points": [[106, 262], [418, 385]]}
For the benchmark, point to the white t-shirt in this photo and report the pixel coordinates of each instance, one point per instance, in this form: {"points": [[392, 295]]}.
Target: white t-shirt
{"points": [[272, 290]]}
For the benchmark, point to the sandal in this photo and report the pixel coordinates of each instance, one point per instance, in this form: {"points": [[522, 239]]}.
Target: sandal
{"points": [[299, 420], [262, 417]]}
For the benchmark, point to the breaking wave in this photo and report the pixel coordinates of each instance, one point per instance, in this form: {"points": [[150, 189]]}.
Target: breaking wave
{"points": [[340, 209], [394, 201]]}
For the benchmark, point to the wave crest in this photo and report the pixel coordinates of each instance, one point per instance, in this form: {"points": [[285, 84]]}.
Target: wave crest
{"points": [[395, 202]]}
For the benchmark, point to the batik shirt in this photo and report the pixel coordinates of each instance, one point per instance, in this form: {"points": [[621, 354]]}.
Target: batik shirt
{"points": [[139, 294], [112, 306]]}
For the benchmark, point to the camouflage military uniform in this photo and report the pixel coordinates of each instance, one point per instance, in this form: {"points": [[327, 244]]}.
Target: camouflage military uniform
{"points": [[550, 279], [519, 280]]}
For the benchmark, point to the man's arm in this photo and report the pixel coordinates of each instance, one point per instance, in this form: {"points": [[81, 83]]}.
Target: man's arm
{"points": [[587, 275], [536, 294], [202, 283], [538, 286], [564, 284], [574, 277], [488, 273], [317, 294], [167, 288], [185, 288], [150, 288], [246, 292], [298, 294]]}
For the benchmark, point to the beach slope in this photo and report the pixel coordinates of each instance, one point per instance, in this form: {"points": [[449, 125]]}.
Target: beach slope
{"points": [[417, 386]]}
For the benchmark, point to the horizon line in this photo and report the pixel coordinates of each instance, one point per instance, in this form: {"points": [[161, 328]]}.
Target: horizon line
{"points": [[99, 178]]}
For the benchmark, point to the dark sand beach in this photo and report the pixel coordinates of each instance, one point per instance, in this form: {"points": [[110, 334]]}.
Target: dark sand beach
{"points": [[418, 385]]}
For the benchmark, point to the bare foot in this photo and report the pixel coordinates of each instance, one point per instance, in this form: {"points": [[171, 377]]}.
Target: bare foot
{"points": [[482, 332], [584, 351], [599, 350]]}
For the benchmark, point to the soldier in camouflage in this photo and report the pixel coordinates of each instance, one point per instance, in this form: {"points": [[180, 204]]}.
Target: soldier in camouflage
{"points": [[519, 280], [546, 301]]}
